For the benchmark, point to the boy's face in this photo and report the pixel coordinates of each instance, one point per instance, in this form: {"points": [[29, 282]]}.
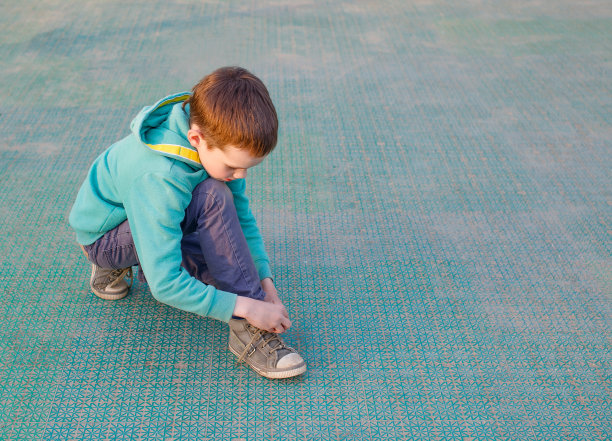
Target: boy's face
{"points": [[222, 165]]}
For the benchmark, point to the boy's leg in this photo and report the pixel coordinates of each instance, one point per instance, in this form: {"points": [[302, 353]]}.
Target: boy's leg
{"points": [[112, 257], [115, 249], [214, 248]]}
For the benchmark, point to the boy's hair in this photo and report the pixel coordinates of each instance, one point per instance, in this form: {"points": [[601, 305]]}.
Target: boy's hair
{"points": [[233, 107]]}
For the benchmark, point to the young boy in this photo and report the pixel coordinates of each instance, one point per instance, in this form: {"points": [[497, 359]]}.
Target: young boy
{"points": [[170, 197]]}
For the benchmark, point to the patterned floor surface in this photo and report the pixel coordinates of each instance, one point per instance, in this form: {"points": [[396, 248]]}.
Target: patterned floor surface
{"points": [[437, 213]]}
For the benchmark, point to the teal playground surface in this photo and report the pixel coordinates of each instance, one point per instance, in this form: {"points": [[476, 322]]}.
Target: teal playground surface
{"points": [[437, 212]]}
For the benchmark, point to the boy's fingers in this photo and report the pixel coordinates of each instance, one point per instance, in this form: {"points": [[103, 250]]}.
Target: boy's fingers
{"points": [[287, 324], [282, 310], [281, 327]]}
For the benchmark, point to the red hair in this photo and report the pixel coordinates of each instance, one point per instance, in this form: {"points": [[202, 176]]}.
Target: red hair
{"points": [[231, 106]]}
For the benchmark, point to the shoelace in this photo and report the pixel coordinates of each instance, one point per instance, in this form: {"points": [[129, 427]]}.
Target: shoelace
{"points": [[120, 274], [263, 334]]}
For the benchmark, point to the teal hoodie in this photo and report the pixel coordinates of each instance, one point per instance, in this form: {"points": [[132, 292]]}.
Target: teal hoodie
{"points": [[148, 177]]}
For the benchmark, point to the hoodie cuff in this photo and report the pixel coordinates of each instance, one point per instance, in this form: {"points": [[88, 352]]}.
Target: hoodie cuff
{"points": [[223, 306], [263, 269]]}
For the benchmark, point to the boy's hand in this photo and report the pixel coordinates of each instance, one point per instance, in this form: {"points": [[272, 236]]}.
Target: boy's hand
{"points": [[268, 316], [271, 293]]}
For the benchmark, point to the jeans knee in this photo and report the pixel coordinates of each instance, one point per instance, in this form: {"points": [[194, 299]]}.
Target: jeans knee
{"points": [[208, 197], [212, 191]]}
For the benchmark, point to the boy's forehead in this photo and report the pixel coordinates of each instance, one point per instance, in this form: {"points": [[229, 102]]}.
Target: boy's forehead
{"points": [[240, 158]]}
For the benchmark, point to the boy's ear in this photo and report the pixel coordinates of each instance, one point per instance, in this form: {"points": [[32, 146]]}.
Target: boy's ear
{"points": [[195, 138]]}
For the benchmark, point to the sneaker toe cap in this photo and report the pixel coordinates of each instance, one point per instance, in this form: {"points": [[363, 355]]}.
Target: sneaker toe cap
{"points": [[290, 361]]}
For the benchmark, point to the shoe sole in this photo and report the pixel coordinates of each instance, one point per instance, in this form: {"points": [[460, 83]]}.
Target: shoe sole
{"points": [[274, 374], [117, 296]]}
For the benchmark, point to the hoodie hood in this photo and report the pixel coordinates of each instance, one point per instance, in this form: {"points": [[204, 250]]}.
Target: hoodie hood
{"points": [[163, 128]]}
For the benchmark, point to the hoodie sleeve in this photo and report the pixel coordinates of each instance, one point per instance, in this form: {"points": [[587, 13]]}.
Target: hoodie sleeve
{"points": [[250, 229], [155, 206]]}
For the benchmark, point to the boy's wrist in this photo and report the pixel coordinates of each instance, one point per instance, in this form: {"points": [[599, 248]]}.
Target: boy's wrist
{"points": [[267, 283], [243, 306]]}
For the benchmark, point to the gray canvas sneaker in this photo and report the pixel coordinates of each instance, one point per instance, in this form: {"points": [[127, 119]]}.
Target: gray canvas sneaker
{"points": [[110, 284], [264, 351]]}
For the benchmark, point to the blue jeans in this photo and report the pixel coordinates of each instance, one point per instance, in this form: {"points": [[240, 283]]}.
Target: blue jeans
{"points": [[214, 248]]}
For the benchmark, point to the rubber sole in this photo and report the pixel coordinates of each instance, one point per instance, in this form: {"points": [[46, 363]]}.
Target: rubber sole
{"points": [[109, 296], [273, 374]]}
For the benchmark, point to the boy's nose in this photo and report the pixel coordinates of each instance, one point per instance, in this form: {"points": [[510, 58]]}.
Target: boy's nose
{"points": [[240, 173]]}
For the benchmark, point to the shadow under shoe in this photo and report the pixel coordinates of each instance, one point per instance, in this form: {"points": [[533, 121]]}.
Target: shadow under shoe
{"points": [[264, 351], [110, 284]]}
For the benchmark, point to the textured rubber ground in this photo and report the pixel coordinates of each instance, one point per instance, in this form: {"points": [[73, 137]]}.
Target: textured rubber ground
{"points": [[437, 213]]}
